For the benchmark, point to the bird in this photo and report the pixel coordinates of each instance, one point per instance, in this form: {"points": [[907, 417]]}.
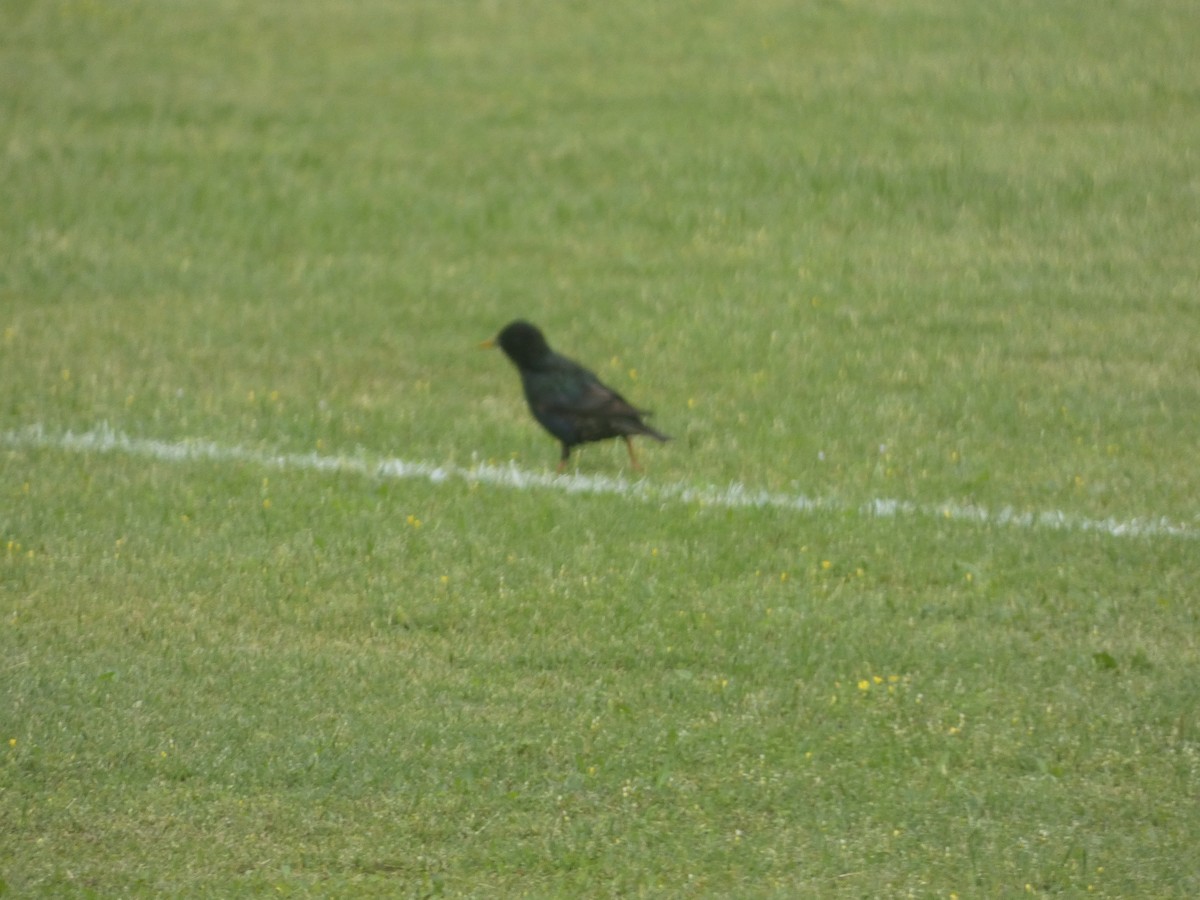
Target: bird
{"points": [[568, 400]]}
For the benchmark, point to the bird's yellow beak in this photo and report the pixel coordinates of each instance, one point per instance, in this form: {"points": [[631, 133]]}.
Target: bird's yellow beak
{"points": [[488, 344]]}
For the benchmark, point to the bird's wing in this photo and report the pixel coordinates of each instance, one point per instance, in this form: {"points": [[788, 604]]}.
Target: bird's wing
{"points": [[588, 396]]}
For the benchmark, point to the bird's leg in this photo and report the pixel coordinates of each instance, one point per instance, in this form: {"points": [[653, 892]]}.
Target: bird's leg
{"points": [[632, 459], [562, 462]]}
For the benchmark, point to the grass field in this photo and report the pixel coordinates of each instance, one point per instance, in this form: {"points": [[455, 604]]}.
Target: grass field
{"points": [[941, 254]]}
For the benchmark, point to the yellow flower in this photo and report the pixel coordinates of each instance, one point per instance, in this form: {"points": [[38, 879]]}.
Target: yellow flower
{"points": [[864, 685], [413, 521]]}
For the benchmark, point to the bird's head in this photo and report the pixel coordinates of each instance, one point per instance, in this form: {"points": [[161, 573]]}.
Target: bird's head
{"points": [[521, 342]]}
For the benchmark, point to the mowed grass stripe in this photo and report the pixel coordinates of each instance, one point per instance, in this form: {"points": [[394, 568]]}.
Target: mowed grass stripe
{"points": [[104, 439]]}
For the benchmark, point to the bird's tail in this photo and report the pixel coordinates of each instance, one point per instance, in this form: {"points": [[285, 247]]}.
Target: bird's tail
{"points": [[651, 432]]}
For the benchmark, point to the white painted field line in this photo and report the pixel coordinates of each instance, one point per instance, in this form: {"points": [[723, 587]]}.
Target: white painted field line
{"points": [[103, 439]]}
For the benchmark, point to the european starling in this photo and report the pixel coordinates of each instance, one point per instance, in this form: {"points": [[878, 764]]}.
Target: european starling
{"points": [[569, 401]]}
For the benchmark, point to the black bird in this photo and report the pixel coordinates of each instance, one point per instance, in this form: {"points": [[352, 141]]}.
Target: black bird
{"points": [[569, 401]]}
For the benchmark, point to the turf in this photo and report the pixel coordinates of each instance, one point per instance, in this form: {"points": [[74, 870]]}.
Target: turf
{"points": [[931, 252]]}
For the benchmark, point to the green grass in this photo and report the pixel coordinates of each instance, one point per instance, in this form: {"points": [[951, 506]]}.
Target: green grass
{"points": [[925, 251]]}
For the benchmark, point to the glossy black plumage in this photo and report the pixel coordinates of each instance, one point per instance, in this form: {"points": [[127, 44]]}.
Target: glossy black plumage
{"points": [[568, 400]]}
